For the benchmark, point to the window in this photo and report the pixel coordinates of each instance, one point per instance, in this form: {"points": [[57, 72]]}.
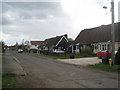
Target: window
{"points": [[74, 47], [77, 47], [108, 46], [100, 46], [105, 47], [96, 46]]}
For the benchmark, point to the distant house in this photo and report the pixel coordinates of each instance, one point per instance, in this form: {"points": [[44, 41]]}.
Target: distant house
{"points": [[58, 42], [34, 45], [99, 38], [14, 47]]}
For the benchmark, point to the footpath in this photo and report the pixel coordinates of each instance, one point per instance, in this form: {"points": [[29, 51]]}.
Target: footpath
{"points": [[10, 64]]}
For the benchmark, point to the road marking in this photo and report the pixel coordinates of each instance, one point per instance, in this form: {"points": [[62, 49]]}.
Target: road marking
{"points": [[20, 65], [16, 60]]}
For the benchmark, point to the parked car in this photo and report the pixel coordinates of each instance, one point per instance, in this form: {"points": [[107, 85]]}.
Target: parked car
{"points": [[20, 50], [102, 54], [58, 51]]}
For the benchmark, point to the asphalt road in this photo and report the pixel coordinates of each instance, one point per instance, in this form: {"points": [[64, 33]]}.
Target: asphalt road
{"points": [[47, 73]]}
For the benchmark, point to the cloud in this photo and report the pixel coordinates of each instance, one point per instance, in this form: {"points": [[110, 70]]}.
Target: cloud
{"points": [[6, 19], [30, 9], [39, 27], [41, 20], [86, 14], [13, 12], [37, 21]]}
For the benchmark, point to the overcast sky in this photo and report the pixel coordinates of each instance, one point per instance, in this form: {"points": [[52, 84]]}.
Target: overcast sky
{"points": [[41, 20]]}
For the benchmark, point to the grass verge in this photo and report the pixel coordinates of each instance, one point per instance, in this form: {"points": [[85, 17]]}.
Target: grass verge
{"points": [[63, 56], [9, 80], [106, 67], [0, 58]]}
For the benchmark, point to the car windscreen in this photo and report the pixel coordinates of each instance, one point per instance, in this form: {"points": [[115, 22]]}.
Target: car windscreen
{"points": [[103, 51], [106, 51]]}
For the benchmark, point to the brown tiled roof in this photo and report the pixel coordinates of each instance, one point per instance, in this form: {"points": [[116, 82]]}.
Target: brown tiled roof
{"points": [[98, 34], [53, 41], [36, 42]]}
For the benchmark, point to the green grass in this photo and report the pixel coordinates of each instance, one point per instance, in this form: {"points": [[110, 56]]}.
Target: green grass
{"points": [[106, 67], [63, 56], [0, 58], [9, 80], [0, 80]]}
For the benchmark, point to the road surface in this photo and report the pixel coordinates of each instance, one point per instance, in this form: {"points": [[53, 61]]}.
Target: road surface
{"points": [[48, 73]]}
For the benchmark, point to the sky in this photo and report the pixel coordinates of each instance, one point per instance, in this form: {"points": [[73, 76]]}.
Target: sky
{"points": [[41, 20]]}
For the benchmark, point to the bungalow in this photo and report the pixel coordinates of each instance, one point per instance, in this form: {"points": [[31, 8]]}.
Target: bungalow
{"points": [[59, 42], [33, 45], [99, 38]]}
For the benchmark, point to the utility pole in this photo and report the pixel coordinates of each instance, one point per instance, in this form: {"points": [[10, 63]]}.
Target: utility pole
{"points": [[113, 32], [23, 44]]}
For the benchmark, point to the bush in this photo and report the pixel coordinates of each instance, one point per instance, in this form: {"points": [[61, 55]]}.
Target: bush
{"points": [[117, 57], [2, 49], [33, 50], [87, 51], [46, 52]]}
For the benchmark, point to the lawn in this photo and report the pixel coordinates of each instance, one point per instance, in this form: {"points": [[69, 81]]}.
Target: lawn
{"points": [[9, 80], [106, 67], [65, 56], [0, 58], [0, 80]]}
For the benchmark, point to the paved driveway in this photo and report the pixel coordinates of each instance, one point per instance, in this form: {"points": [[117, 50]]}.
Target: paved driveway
{"points": [[82, 61]]}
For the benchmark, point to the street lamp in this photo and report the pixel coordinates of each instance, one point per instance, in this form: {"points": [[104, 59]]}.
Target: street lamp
{"points": [[112, 30]]}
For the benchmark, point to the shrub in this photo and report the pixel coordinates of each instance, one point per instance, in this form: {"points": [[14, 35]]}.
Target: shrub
{"points": [[2, 49], [33, 50], [117, 57], [86, 51], [46, 52]]}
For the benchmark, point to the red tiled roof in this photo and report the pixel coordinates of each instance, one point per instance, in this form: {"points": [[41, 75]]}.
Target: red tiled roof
{"points": [[36, 42]]}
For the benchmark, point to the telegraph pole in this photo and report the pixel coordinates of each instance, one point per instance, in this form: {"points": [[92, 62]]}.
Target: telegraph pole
{"points": [[22, 43], [113, 32]]}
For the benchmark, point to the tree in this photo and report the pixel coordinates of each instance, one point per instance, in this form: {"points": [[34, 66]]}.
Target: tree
{"points": [[70, 39], [16, 46], [117, 57], [25, 48], [2, 46], [87, 51]]}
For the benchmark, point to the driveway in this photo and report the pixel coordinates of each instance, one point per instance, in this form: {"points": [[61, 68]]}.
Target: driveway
{"points": [[82, 61], [42, 72]]}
